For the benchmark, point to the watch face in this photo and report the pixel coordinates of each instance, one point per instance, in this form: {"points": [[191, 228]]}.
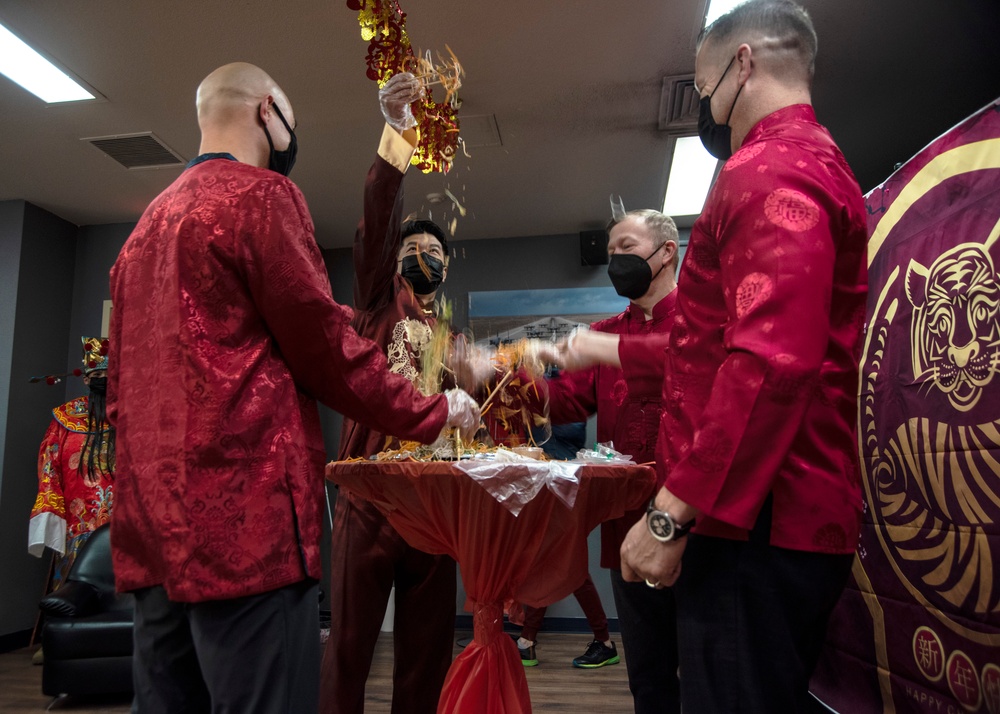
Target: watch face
{"points": [[661, 526]]}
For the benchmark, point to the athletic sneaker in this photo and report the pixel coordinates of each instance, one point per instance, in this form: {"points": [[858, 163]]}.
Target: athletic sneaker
{"points": [[597, 655], [528, 658]]}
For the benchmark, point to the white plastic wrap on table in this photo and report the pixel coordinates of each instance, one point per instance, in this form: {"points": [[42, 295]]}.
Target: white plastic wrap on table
{"points": [[513, 480]]}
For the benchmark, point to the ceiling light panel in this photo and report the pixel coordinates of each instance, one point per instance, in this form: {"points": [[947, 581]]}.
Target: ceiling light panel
{"points": [[692, 170], [24, 66], [718, 8]]}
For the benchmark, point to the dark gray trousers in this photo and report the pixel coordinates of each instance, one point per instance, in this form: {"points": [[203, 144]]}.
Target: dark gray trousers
{"points": [[752, 620], [648, 622], [252, 655]]}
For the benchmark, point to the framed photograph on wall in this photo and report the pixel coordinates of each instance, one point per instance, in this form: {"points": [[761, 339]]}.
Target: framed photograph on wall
{"points": [[106, 318], [499, 316]]}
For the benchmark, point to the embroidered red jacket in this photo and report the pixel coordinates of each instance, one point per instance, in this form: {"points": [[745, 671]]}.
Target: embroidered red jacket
{"points": [[630, 419], [385, 309], [66, 509], [760, 394], [224, 333]]}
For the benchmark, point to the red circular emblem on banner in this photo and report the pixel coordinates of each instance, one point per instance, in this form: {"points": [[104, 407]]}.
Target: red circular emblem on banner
{"points": [[791, 210], [963, 680], [991, 687], [928, 653]]}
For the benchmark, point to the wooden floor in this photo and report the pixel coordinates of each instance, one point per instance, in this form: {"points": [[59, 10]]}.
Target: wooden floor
{"points": [[555, 685]]}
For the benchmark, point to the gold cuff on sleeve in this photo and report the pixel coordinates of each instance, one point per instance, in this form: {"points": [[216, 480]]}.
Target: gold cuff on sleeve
{"points": [[398, 149]]}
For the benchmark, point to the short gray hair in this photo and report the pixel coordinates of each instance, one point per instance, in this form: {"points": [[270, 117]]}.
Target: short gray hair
{"points": [[660, 225], [786, 22]]}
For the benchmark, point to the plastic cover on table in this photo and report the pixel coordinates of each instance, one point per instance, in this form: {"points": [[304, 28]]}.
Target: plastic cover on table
{"points": [[513, 480], [603, 453]]}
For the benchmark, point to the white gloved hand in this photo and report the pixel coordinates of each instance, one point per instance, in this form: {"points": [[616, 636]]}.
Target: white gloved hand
{"points": [[395, 98], [471, 364], [546, 352], [463, 412], [585, 348]]}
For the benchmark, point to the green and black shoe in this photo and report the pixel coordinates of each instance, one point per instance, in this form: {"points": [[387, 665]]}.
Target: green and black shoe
{"points": [[597, 655]]}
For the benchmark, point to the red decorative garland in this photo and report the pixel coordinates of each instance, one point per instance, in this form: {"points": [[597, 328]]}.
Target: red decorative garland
{"points": [[383, 25]]}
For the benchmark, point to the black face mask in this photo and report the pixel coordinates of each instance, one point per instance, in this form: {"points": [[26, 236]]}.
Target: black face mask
{"points": [[411, 270], [715, 137], [631, 274], [98, 385], [282, 161]]}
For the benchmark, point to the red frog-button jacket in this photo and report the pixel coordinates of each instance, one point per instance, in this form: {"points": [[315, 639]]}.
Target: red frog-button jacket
{"points": [[760, 391]]}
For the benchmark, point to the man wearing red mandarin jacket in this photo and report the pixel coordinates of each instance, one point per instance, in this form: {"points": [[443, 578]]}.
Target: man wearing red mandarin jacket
{"points": [[642, 249], [223, 336], [398, 271], [758, 446]]}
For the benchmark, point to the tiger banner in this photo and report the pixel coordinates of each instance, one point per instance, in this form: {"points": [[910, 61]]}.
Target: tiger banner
{"points": [[918, 628]]}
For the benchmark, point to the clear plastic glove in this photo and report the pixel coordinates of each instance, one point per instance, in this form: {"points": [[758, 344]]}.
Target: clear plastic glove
{"points": [[547, 352], [533, 358], [585, 348], [471, 364], [395, 98], [463, 412]]}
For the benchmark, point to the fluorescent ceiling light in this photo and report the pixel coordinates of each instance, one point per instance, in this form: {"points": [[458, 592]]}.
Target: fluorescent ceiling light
{"points": [[691, 172], [26, 67], [718, 8]]}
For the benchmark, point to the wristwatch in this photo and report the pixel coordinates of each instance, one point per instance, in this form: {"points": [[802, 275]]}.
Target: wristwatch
{"points": [[663, 527]]}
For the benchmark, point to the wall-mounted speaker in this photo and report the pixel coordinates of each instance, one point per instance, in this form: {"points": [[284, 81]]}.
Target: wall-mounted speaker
{"points": [[593, 247]]}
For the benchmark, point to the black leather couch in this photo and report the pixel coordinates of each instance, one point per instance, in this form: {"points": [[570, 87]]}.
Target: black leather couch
{"points": [[87, 637]]}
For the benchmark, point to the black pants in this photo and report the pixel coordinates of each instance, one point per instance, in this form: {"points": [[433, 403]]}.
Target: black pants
{"points": [[648, 621], [752, 620], [255, 654]]}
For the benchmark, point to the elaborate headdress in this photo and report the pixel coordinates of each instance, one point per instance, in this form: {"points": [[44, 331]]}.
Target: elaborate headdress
{"points": [[95, 357], [95, 353]]}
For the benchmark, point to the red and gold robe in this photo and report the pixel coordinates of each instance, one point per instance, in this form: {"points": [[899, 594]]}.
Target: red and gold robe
{"points": [[67, 510]]}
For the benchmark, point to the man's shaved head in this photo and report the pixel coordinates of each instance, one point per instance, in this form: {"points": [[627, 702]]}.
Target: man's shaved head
{"points": [[244, 113], [237, 89]]}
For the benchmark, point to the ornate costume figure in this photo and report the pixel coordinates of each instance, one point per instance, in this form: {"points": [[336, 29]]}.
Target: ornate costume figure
{"points": [[76, 465]]}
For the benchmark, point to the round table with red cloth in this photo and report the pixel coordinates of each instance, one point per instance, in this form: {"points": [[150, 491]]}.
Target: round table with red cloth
{"points": [[536, 557]]}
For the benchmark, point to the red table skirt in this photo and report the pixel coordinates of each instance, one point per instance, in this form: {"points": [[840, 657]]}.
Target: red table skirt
{"points": [[536, 557]]}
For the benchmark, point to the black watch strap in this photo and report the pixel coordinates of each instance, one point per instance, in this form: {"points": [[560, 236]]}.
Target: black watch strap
{"points": [[663, 527]]}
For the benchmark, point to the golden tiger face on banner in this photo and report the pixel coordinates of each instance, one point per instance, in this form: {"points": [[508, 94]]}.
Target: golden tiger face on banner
{"points": [[955, 330], [929, 424], [918, 628]]}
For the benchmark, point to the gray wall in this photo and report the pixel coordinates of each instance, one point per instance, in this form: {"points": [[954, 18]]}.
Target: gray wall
{"points": [[37, 272], [97, 250], [11, 226]]}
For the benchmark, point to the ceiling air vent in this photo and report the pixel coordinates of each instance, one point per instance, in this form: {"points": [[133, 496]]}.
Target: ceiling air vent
{"points": [[137, 151], [679, 105], [480, 130]]}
